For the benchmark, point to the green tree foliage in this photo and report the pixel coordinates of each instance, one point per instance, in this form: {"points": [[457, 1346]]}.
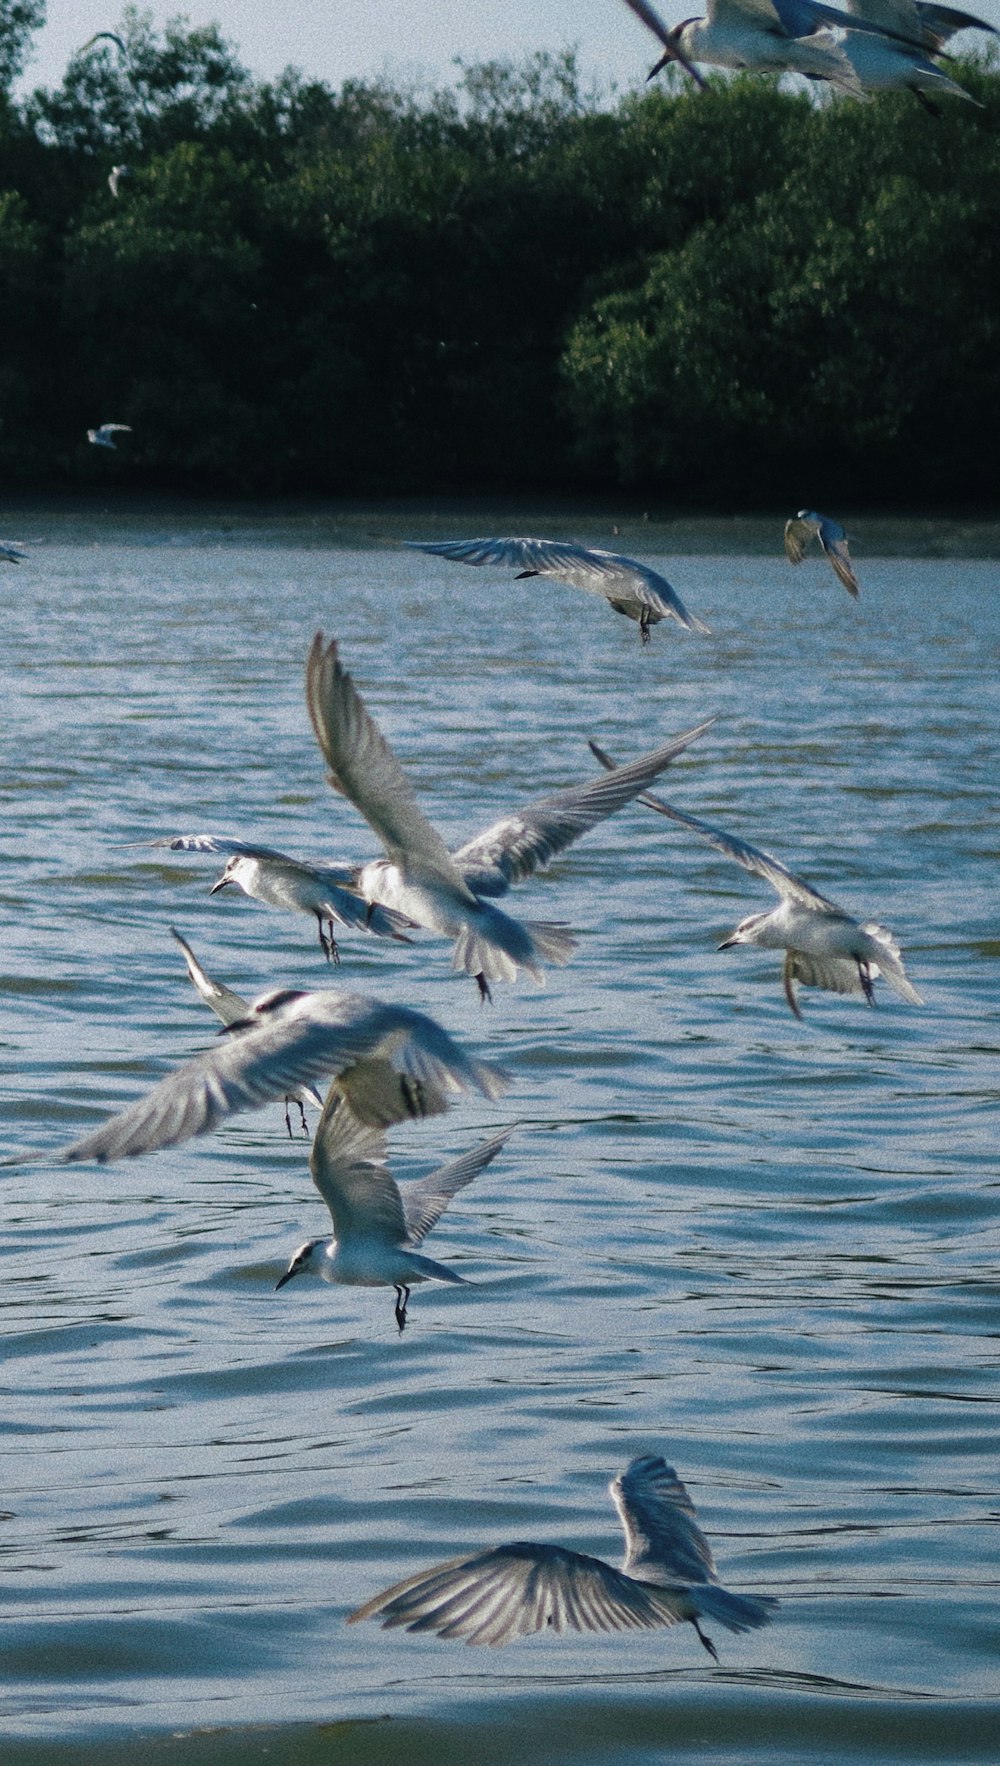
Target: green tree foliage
{"points": [[511, 283], [19, 19]]}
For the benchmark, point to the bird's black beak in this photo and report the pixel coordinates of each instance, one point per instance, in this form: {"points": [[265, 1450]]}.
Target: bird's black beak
{"points": [[727, 944], [221, 884], [286, 1277]]}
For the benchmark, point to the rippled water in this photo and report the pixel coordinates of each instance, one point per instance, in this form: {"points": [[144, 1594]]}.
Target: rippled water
{"points": [[767, 1250]]}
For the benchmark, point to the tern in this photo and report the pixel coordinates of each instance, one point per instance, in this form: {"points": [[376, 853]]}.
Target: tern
{"points": [[806, 526], [101, 437], [631, 588], [883, 65], [448, 892], [377, 1226], [325, 891], [232, 1008], [390, 1063], [824, 946], [769, 36], [11, 553], [668, 1576]]}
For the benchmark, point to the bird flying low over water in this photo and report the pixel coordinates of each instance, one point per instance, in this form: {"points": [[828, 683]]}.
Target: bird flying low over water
{"points": [[390, 1064], [446, 892], [769, 36], [824, 946], [325, 891], [377, 1226], [11, 553], [668, 1576], [806, 526], [634, 589], [101, 437], [232, 1008]]}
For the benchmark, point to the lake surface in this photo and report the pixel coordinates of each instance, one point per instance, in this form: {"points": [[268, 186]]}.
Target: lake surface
{"points": [[768, 1250]]}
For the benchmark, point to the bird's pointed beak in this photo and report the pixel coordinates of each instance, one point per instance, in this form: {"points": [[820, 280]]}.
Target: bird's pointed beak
{"points": [[221, 883], [727, 943], [672, 53], [285, 1278]]}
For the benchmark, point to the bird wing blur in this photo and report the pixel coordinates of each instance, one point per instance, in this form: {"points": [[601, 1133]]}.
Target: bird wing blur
{"points": [[658, 1517], [349, 1167]]}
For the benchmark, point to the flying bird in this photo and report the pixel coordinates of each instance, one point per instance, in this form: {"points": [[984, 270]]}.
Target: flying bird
{"points": [[377, 1226], [390, 1063], [101, 437], [668, 1576], [806, 526], [10, 553], [631, 588], [232, 1008], [883, 65], [103, 37], [926, 24], [768, 36], [326, 892], [115, 176], [824, 946], [451, 893]]}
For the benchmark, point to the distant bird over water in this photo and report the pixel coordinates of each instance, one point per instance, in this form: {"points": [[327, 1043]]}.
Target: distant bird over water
{"points": [[101, 437], [115, 176], [668, 1576], [377, 1226], [11, 553], [824, 946], [806, 526], [631, 588], [451, 893]]}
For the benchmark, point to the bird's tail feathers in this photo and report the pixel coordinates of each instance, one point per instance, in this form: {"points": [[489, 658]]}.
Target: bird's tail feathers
{"points": [[427, 1267], [890, 964], [738, 1612], [495, 946]]}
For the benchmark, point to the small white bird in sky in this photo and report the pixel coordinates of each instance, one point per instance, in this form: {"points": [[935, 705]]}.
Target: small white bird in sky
{"points": [[806, 526], [11, 553], [824, 946], [101, 437], [377, 1226], [448, 892], [326, 892], [668, 1576], [390, 1064], [631, 588], [769, 36], [232, 1008]]}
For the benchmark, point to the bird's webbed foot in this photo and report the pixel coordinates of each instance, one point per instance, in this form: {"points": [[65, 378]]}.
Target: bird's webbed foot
{"points": [[484, 989], [707, 1641], [327, 940], [402, 1301]]}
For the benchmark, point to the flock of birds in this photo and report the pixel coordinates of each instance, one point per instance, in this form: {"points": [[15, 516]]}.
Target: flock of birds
{"points": [[384, 1064]]}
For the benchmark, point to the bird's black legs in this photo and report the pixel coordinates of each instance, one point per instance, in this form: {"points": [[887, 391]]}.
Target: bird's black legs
{"points": [[402, 1300], [302, 1116], [865, 977], [707, 1641], [327, 940], [644, 625], [484, 990]]}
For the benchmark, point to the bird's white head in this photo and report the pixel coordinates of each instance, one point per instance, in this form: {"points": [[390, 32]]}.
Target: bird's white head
{"points": [[305, 1260], [239, 871], [747, 932]]}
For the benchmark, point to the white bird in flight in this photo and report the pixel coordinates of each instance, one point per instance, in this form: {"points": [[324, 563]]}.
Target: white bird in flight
{"points": [[448, 892], [806, 526], [377, 1226], [101, 437], [883, 65], [11, 553], [232, 1008], [824, 946], [326, 892], [390, 1063], [668, 1576], [115, 176], [769, 36], [631, 588]]}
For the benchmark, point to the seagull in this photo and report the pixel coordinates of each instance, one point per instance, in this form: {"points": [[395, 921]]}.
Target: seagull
{"points": [[115, 176], [390, 1063], [668, 1576], [101, 437], [232, 1008], [325, 891], [882, 65], [824, 946], [377, 1226], [807, 525], [449, 892], [631, 588], [769, 36], [11, 553]]}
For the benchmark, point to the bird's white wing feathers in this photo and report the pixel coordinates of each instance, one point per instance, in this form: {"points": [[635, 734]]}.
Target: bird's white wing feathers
{"points": [[348, 1165], [661, 1534], [750, 858], [226, 1004], [797, 536], [361, 764], [526, 840], [517, 1589], [425, 1201]]}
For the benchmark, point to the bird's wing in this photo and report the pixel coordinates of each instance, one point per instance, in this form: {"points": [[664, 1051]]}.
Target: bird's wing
{"points": [[11, 553], [834, 974], [109, 428], [658, 1517], [798, 533], [833, 540], [102, 37], [218, 843], [760, 864], [349, 1168], [526, 841], [361, 764], [425, 1201], [736, 12], [226, 1005], [289, 1039], [895, 19], [518, 1589], [607, 573], [938, 23], [652, 590]]}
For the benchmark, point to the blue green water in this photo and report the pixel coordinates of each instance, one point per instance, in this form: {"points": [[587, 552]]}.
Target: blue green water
{"points": [[767, 1250]]}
